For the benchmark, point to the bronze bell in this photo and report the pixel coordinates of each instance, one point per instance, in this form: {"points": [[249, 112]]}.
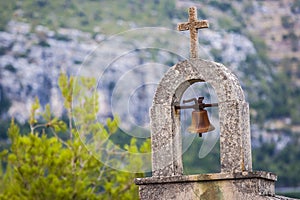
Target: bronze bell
{"points": [[200, 122]]}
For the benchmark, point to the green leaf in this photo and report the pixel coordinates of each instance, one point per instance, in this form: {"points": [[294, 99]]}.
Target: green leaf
{"points": [[47, 114], [35, 106]]}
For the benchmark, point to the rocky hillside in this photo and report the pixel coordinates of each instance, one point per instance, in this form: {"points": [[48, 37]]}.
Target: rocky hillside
{"points": [[258, 40]]}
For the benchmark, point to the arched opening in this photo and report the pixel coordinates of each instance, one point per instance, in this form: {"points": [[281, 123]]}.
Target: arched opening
{"points": [[200, 154]]}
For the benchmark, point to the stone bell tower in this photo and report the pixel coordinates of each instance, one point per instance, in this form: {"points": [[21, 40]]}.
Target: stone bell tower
{"points": [[236, 179]]}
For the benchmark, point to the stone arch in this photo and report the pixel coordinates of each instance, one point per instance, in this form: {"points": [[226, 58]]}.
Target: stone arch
{"points": [[235, 145]]}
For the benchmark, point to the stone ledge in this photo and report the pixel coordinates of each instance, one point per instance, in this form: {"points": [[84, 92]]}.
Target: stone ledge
{"points": [[207, 177]]}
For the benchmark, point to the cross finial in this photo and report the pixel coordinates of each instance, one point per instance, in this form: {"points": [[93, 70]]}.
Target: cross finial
{"points": [[193, 25]]}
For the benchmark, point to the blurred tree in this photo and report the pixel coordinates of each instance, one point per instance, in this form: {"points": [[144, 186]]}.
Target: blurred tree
{"points": [[39, 166]]}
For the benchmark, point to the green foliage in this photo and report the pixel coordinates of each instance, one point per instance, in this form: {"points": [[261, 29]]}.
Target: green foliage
{"points": [[293, 38], [287, 22], [44, 44], [195, 165], [7, 8], [289, 194], [295, 7], [62, 37], [39, 166], [224, 6], [35, 106], [216, 54], [229, 24], [10, 68], [260, 47], [275, 96], [86, 15], [4, 101], [249, 8], [284, 163]]}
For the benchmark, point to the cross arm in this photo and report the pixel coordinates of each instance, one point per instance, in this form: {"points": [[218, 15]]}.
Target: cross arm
{"points": [[201, 24], [183, 26]]}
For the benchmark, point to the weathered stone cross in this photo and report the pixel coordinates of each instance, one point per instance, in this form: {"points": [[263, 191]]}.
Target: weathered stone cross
{"points": [[193, 25]]}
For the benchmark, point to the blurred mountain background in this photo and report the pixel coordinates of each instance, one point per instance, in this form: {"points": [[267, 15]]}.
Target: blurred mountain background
{"points": [[258, 40]]}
